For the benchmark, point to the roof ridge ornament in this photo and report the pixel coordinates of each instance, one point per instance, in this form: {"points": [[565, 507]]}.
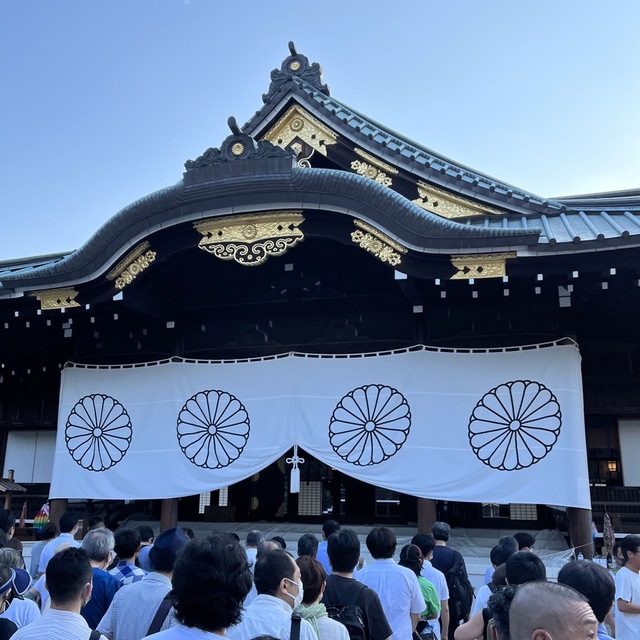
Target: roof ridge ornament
{"points": [[296, 65], [237, 146]]}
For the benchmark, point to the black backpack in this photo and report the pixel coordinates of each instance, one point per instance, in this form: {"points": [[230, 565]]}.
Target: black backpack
{"points": [[460, 590], [350, 615]]}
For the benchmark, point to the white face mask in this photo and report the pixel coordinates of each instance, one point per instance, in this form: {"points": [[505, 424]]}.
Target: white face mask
{"points": [[297, 600]]}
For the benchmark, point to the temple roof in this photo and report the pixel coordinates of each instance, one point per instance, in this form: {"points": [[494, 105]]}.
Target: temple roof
{"points": [[304, 150]]}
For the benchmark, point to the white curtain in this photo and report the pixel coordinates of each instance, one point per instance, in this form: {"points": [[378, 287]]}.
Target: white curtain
{"points": [[492, 426]]}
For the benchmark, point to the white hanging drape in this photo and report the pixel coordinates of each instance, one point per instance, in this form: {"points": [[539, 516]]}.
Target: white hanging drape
{"points": [[493, 426]]}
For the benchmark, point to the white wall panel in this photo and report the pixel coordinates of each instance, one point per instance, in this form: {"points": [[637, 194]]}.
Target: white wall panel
{"points": [[629, 434], [30, 454]]}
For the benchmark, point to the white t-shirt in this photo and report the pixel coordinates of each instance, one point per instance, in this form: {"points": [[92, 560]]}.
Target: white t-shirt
{"points": [[399, 593], [329, 629], [440, 583], [628, 589], [482, 599], [22, 612]]}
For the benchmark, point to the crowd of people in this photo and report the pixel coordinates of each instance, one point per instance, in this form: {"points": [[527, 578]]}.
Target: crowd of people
{"points": [[128, 586]]}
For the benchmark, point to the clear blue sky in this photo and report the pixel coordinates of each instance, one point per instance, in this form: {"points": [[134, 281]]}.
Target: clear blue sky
{"points": [[103, 100]]}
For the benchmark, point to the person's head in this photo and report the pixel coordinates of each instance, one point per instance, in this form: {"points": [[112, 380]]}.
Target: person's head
{"points": [[543, 610], [343, 549], [127, 543], [254, 538], [505, 548], [411, 558], [629, 546], [525, 541], [95, 522], [499, 603], [276, 574], [98, 545], [308, 545], [16, 545], [166, 548], [14, 579], [7, 522], [280, 540], [616, 552], [6, 584], [68, 578], [329, 527], [7, 628], [68, 523], [267, 545], [499, 577], [12, 558], [210, 580], [49, 531], [313, 577], [146, 534], [525, 566], [426, 542], [441, 531], [592, 581], [381, 543]]}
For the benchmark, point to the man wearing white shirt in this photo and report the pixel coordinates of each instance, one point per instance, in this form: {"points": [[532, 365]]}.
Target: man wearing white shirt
{"points": [[277, 580], [628, 590], [68, 580], [68, 530], [426, 543], [397, 586], [254, 538]]}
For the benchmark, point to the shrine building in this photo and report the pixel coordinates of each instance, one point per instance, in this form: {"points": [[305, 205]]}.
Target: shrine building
{"points": [[312, 229]]}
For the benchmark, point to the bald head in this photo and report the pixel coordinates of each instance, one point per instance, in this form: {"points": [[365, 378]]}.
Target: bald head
{"points": [[546, 609]]}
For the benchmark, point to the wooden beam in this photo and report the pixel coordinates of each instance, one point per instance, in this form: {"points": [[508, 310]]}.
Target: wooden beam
{"points": [[580, 532], [57, 507], [426, 514], [169, 513]]}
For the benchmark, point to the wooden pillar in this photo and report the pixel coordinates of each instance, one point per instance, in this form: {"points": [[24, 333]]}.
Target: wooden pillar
{"points": [[580, 533], [426, 515], [168, 513], [56, 508]]}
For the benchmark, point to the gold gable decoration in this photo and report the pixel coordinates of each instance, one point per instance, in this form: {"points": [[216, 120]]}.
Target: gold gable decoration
{"points": [[481, 265], [297, 123], [449, 206], [127, 270], [57, 298], [377, 243], [251, 239]]}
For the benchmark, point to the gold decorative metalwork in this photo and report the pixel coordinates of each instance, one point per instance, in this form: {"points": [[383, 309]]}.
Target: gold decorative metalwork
{"points": [[251, 239], [377, 243], [376, 161], [126, 271], [298, 123], [127, 260], [136, 267], [450, 206], [294, 66], [237, 149], [57, 298], [481, 265], [373, 173]]}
